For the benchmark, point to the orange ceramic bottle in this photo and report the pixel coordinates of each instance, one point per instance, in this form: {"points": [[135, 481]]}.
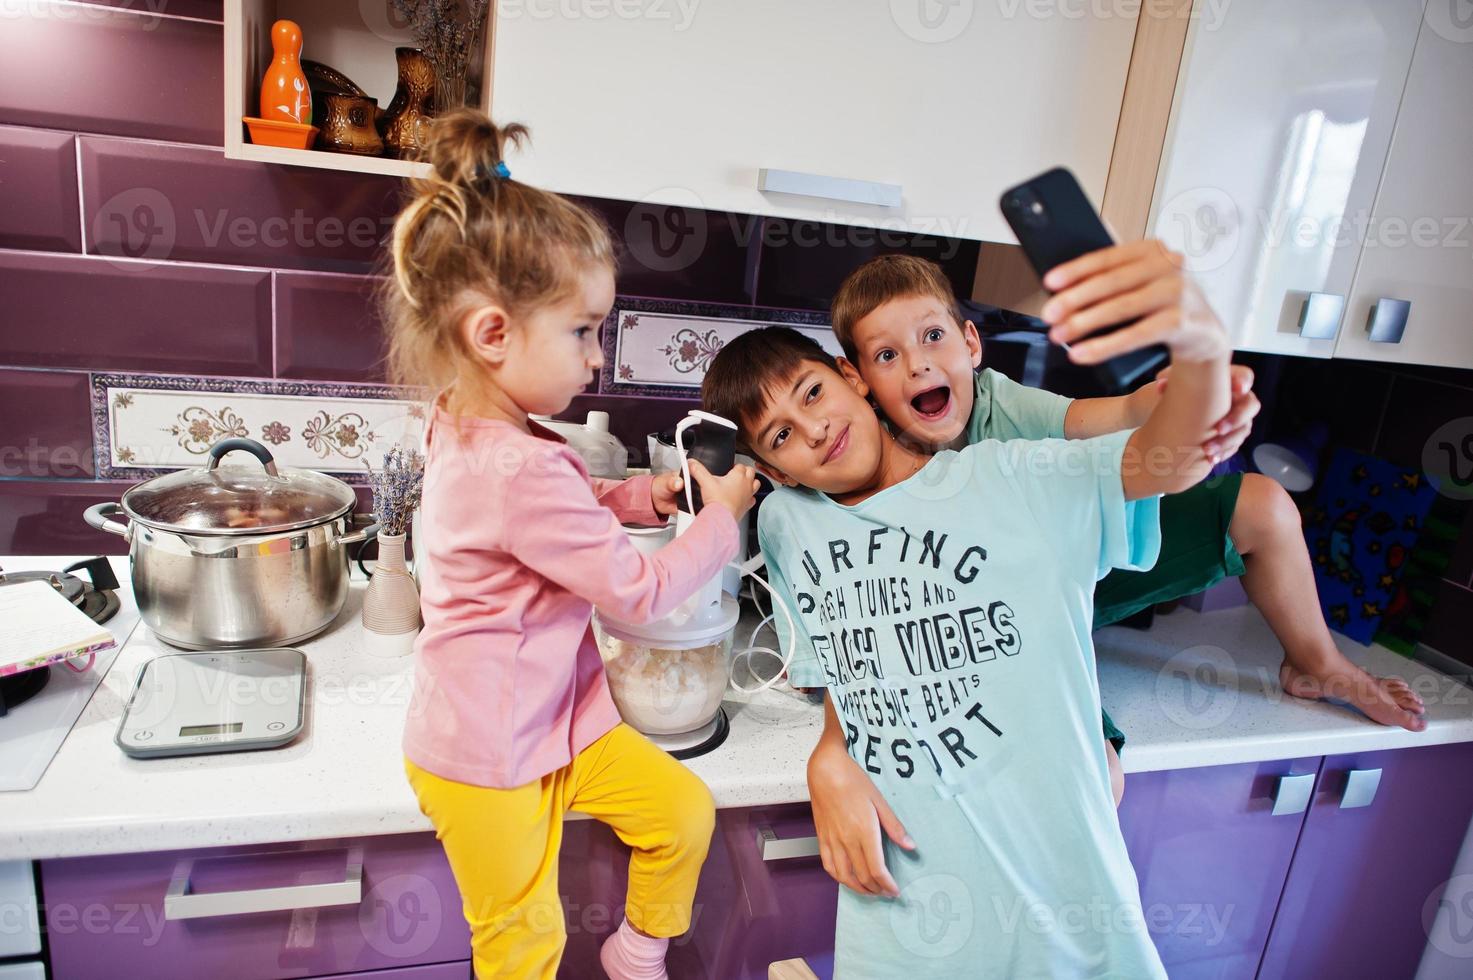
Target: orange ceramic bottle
{"points": [[284, 93]]}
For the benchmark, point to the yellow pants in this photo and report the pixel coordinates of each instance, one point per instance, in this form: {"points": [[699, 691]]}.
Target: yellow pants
{"points": [[503, 846]]}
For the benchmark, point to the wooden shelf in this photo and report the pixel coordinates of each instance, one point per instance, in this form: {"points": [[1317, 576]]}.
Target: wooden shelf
{"points": [[352, 36], [387, 166]]}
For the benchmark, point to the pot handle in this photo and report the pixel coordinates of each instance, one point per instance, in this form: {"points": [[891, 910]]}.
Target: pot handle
{"points": [[360, 536], [99, 516], [219, 450]]}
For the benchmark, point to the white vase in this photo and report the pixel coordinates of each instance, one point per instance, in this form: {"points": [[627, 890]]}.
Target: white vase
{"points": [[391, 605]]}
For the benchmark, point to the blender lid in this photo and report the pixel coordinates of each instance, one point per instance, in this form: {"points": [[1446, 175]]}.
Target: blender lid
{"points": [[666, 634]]}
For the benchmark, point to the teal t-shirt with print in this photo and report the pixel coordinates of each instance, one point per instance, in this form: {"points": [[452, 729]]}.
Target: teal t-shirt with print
{"points": [[949, 618], [1004, 409]]}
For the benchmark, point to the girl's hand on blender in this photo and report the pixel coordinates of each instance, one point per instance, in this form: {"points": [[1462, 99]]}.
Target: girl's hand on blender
{"points": [[665, 493], [734, 491]]}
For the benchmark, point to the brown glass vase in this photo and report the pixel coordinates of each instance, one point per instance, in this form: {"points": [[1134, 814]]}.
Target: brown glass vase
{"points": [[347, 125], [407, 119]]}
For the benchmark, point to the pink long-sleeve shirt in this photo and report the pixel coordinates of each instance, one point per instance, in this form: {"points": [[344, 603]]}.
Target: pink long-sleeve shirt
{"points": [[518, 546]]}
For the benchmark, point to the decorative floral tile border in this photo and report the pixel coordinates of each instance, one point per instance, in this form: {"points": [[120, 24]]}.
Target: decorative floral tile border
{"points": [[663, 347], [144, 425]]}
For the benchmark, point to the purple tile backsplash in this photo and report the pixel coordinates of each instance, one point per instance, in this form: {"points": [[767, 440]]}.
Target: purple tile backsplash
{"points": [[44, 517], [96, 313], [189, 203], [327, 328], [38, 190], [198, 9], [94, 69], [44, 425]]}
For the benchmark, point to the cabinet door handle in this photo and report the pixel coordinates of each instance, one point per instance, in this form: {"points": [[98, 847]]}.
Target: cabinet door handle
{"points": [[1319, 319], [1389, 320], [775, 848], [832, 188], [1360, 788], [1292, 794], [180, 904]]}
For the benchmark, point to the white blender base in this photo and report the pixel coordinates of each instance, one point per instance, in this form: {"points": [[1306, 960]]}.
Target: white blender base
{"points": [[688, 745]]}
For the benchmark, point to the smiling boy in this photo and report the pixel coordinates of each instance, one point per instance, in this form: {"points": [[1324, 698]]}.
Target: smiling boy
{"points": [[945, 604]]}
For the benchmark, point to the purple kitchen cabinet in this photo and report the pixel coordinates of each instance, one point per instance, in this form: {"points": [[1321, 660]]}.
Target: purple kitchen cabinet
{"points": [[1380, 841], [1211, 856], [284, 910], [749, 911]]}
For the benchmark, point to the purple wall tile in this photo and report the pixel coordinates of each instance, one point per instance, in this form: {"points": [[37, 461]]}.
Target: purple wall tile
{"points": [[99, 70], [38, 190], [85, 312], [45, 425], [327, 328], [191, 204], [1418, 408], [680, 253], [198, 9], [45, 518], [1461, 568], [803, 262], [1452, 622]]}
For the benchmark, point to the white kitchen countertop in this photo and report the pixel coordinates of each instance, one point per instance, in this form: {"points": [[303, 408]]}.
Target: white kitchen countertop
{"points": [[343, 777]]}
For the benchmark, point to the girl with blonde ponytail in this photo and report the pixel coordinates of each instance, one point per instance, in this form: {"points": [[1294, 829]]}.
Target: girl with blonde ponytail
{"points": [[494, 301]]}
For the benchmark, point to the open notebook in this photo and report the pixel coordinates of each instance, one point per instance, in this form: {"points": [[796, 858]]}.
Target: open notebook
{"points": [[38, 626]]}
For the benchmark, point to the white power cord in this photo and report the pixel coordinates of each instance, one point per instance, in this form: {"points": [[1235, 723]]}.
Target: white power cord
{"points": [[749, 570]]}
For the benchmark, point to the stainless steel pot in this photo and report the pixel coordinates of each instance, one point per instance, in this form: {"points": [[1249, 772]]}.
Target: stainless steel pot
{"points": [[232, 556]]}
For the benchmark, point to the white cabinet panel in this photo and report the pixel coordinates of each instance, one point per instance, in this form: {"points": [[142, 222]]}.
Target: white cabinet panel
{"points": [[684, 103], [1279, 130], [1419, 242]]}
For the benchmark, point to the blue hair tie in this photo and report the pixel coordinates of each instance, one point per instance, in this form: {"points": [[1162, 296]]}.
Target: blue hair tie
{"points": [[498, 172]]}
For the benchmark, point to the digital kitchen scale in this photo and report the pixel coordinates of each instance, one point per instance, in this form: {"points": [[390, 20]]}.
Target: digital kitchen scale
{"points": [[215, 701]]}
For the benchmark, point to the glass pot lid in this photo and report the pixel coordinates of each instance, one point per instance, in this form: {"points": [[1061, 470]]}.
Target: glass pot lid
{"points": [[248, 498]]}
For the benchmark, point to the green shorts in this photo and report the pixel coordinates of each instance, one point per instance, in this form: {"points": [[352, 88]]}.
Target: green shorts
{"points": [[1196, 554]]}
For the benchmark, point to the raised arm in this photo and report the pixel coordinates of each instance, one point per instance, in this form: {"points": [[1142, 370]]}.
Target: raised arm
{"points": [[1143, 281]]}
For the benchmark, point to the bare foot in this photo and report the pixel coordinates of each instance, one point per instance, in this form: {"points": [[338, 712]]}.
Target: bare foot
{"points": [[1388, 700]]}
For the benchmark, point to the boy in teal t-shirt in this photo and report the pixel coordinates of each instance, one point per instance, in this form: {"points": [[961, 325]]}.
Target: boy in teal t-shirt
{"points": [[945, 604]]}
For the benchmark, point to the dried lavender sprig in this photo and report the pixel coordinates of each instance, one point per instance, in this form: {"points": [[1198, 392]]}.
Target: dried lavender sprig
{"points": [[397, 489]]}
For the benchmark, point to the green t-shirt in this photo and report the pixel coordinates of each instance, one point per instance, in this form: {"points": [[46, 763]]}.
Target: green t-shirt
{"points": [[1006, 410], [949, 618]]}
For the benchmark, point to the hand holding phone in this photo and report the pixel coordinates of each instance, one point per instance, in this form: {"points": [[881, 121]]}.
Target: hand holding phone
{"points": [[1056, 225]]}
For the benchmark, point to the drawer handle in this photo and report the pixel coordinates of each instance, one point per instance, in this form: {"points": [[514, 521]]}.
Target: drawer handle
{"points": [[180, 904], [1319, 319], [1292, 794], [1389, 320], [775, 848], [1360, 788], [832, 188]]}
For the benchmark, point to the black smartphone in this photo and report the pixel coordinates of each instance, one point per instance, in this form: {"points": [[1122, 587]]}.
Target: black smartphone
{"points": [[1055, 223]]}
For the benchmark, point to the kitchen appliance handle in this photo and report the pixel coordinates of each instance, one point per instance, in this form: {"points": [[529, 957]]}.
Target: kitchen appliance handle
{"points": [[775, 848], [361, 535], [179, 903], [226, 446], [100, 516], [1292, 794]]}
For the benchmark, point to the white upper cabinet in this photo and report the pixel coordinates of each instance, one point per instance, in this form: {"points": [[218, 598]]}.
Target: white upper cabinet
{"points": [[1412, 301], [1280, 127], [919, 113]]}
